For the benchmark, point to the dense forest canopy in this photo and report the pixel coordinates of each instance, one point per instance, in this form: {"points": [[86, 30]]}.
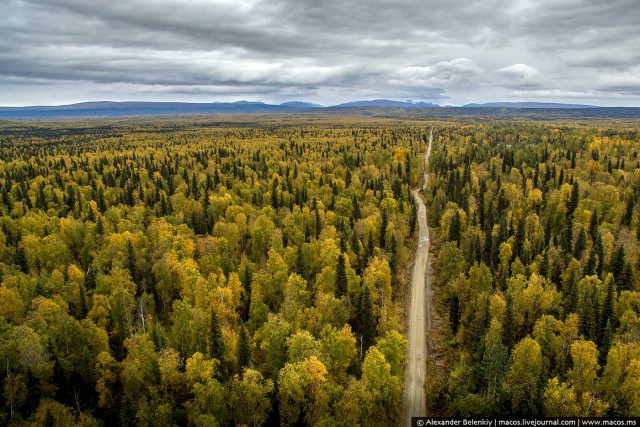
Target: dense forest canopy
{"points": [[210, 273], [163, 273], [538, 270]]}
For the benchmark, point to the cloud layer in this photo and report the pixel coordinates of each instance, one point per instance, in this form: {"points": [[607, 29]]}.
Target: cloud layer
{"points": [[59, 51]]}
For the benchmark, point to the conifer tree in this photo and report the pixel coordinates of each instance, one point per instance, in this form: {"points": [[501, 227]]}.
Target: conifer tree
{"points": [[216, 343], [367, 321], [244, 349], [509, 325], [341, 277], [384, 222], [580, 244], [575, 197]]}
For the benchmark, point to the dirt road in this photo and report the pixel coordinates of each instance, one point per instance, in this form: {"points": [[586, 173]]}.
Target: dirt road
{"points": [[419, 316]]}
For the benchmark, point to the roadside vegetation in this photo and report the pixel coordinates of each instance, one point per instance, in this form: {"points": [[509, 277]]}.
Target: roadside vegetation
{"points": [[537, 270]]}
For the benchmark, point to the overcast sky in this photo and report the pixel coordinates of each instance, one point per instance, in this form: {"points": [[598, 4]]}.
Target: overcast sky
{"points": [[328, 51]]}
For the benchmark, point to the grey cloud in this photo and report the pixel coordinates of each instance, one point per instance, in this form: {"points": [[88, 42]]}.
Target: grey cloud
{"points": [[330, 51]]}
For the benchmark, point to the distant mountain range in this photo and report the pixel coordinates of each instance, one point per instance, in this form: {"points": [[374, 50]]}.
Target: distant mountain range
{"points": [[529, 105], [385, 103], [300, 104], [113, 109]]}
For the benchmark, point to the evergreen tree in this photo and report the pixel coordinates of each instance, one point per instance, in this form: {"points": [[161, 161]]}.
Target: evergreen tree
{"points": [[627, 278], [244, 349], [628, 214], [605, 343], [413, 218], [216, 343], [356, 209], [607, 307], [599, 250], [341, 277], [274, 194], [592, 262], [370, 247], [593, 226], [580, 244], [393, 257], [383, 229], [575, 198], [509, 324], [90, 278], [455, 228], [519, 241], [82, 309], [567, 237], [544, 265], [318, 223], [618, 264], [21, 260], [454, 313], [588, 324], [572, 293], [367, 321], [101, 203], [301, 263]]}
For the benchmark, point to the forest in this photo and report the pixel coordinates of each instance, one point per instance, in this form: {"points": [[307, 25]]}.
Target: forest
{"points": [[211, 272], [204, 273], [537, 270]]}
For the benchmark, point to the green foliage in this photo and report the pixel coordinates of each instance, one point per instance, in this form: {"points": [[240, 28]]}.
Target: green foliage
{"points": [[184, 272], [550, 211]]}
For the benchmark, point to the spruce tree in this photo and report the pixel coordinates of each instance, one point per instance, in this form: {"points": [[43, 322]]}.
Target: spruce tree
{"points": [[216, 344], [341, 277], [628, 214], [370, 247], [588, 324], [21, 260], [301, 263], [607, 307], [318, 224], [454, 228], [618, 264], [575, 197], [593, 226], [356, 208], [605, 343], [519, 242], [244, 349], [580, 244], [383, 229], [509, 324], [599, 250], [592, 262], [393, 257], [454, 313], [627, 278], [413, 218], [90, 278], [544, 265], [567, 238], [572, 293], [367, 320]]}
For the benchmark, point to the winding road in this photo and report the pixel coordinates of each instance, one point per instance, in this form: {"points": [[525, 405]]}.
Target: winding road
{"points": [[419, 316]]}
